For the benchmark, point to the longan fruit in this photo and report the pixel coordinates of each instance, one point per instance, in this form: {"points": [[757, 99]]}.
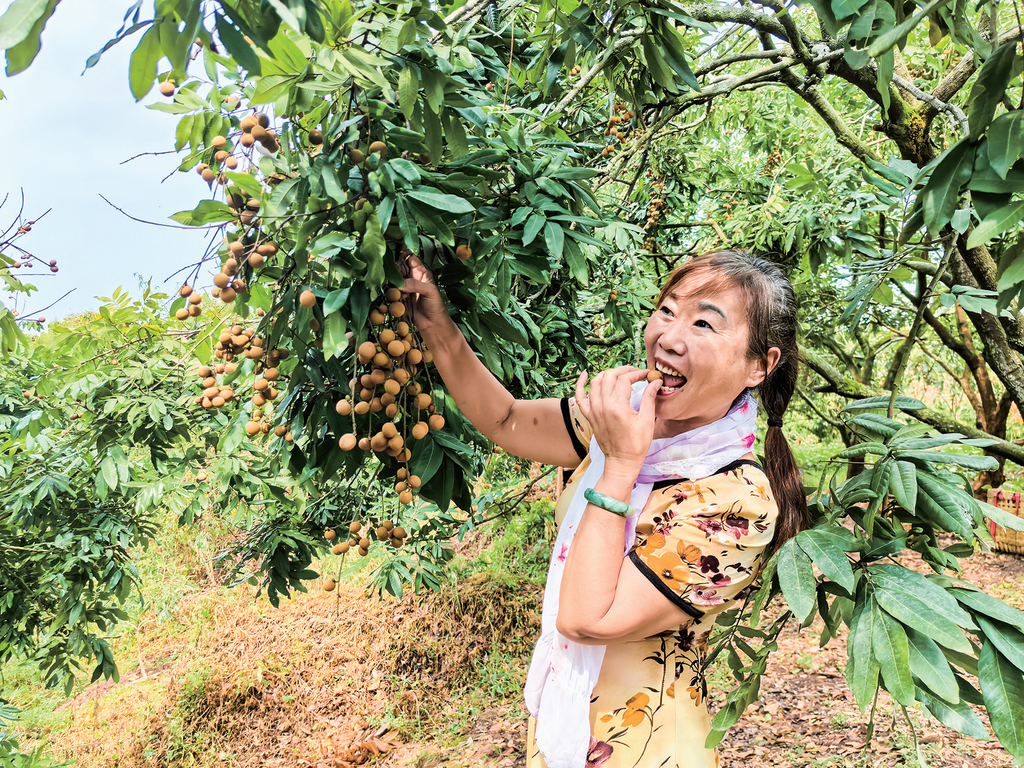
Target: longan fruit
{"points": [[420, 430], [279, 431], [378, 442], [402, 328], [379, 147], [393, 294], [256, 261], [396, 348], [414, 356], [341, 548], [364, 543], [204, 371], [463, 252], [366, 394], [364, 444], [415, 482], [330, 534], [218, 142], [343, 407], [167, 88], [262, 120], [396, 309], [315, 137], [261, 385], [405, 497], [231, 162], [398, 532], [221, 280], [384, 337], [361, 408], [436, 422], [271, 374], [247, 140], [329, 585], [356, 156], [195, 298], [181, 314], [259, 133], [217, 401], [366, 351], [252, 428], [382, 360], [396, 443], [654, 376], [423, 401], [414, 388], [209, 175], [377, 377], [259, 400], [376, 406], [363, 552], [401, 376], [377, 317], [185, 290], [307, 299], [390, 409], [355, 526], [348, 442]]}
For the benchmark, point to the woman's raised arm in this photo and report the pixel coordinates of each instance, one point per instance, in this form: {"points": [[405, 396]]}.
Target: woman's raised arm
{"points": [[531, 429]]}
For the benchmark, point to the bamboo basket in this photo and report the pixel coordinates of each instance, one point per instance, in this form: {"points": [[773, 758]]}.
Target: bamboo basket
{"points": [[1004, 540]]}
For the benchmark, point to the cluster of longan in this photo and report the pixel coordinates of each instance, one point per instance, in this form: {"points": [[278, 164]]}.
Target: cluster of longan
{"points": [[359, 539], [655, 208], [385, 382], [257, 128], [617, 128], [222, 158], [214, 395], [773, 162]]}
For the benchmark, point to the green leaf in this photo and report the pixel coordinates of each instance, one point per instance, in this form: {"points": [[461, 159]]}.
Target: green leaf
{"points": [[408, 91], [936, 503], [554, 238], [1003, 689], [335, 342], [989, 87], [883, 43], [426, 458], [109, 470], [891, 648], [996, 223], [862, 667], [142, 68], [796, 577], [1008, 640], [922, 617], [1001, 517], [940, 196], [903, 403], [960, 459], [17, 22], [831, 560], [1004, 144], [900, 579], [449, 203], [903, 484], [22, 54], [533, 227], [861, 448], [929, 664], [990, 606], [960, 717], [372, 250], [235, 43]]}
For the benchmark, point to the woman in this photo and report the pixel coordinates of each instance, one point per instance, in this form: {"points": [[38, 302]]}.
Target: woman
{"points": [[617, 677]]}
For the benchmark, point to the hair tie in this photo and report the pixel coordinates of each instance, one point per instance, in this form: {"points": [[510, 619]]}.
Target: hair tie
{"points": [[775, 423]]}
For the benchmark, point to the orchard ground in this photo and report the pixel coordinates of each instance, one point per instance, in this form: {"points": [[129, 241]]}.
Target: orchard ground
{"points": [[211, 676]]}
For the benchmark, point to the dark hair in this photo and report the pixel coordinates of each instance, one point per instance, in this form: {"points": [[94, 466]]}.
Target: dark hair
{"points": [[771, 314]]}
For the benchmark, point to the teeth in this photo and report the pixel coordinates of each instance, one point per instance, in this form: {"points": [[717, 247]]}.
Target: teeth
{"points": [[669, 371]]}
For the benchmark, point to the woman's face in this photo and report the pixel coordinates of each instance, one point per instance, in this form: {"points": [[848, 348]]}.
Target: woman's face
{"points": [[699, 341]]}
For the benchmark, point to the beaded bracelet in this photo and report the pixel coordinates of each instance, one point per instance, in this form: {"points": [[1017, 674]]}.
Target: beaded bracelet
{"points": [[616, 507]]}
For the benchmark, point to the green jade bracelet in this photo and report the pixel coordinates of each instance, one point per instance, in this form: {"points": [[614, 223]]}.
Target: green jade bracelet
{"points": [[616, 507]]}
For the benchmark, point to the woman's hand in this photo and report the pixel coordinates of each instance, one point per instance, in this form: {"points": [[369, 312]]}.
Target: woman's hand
{"points": [[422, 298], [623, 434]]}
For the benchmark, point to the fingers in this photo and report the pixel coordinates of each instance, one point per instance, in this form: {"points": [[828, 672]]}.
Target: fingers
{"points": [[582, 401], [416, 286], [647, 401]]}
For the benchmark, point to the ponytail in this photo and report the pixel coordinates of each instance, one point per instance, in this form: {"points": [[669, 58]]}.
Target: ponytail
{"points": [[780, 464]]}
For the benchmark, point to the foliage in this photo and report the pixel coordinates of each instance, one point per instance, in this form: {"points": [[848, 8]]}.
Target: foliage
{"points": [[539, 158]]}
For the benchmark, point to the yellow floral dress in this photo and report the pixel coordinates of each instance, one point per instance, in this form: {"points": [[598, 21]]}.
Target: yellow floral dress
{"points": [[700, 543]]}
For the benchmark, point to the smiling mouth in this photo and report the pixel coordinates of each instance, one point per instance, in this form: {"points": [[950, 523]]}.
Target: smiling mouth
{"points": [[672, 380]]}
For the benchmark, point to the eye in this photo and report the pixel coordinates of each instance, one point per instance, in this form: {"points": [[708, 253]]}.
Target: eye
{"points": [[665, 310], [704, 324]]}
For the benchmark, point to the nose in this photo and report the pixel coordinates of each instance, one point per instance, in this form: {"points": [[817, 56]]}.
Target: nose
{"points": [[673, 338]]}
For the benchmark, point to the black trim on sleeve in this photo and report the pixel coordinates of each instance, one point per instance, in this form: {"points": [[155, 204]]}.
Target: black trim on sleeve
{"points": [[727, 468], [663, 588], [581, 449]]}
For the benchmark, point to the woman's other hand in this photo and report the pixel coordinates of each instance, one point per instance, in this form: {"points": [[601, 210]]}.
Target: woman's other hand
{"points": [[422, 297], [623, 434]]}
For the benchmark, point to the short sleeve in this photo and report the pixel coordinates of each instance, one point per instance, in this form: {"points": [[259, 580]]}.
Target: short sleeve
{"points": [[704, 540], [578, 427]]}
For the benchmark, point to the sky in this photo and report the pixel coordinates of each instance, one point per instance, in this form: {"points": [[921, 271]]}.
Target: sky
{"points": [[65, 137]]}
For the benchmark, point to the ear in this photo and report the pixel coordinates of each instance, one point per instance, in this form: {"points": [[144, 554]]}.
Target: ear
{"points": [[759, 373]]}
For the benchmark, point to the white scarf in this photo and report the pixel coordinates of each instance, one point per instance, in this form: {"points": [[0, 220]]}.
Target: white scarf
{"points": [[563, 673]]}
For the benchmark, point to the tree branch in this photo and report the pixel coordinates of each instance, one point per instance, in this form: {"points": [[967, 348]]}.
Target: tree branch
{"points": [[846, 387]]}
